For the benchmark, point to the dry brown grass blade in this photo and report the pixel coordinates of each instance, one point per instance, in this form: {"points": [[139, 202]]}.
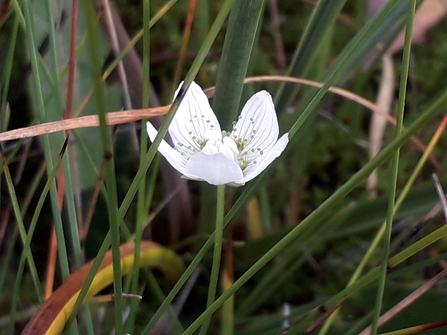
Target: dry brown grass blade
{"points": [[82, 122], [310, 330], [139, 114]]}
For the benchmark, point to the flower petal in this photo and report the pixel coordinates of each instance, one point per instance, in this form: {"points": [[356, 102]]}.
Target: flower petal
{"points": [[257, 125], [215, 169], [263, 161], [174, 157], [194, 121]]}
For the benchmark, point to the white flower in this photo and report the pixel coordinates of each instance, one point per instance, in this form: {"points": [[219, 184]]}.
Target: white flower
{"points": [[203, 152]]}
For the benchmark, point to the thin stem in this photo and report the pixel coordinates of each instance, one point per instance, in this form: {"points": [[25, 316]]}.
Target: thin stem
{"points": [[217, 253], [7, 76], [40, 105], [141, 208], [109, 167], [395, 168]]}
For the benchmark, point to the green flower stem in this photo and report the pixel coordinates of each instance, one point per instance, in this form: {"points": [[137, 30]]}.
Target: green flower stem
{"points": [[217, 253], [195, 262]]}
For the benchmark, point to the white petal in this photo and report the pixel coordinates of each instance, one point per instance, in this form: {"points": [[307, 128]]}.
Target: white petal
{"points": [[257, 124], [194, 121], [172, 156], [263, 161], [215, 169], [230, 144], [210, 148], [225, 150]]}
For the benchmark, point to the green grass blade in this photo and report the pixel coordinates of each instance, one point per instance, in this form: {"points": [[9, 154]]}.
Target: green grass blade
{"points": [[238, 47], [109, 168], [62, 250], [395, 167], [323, 17]]}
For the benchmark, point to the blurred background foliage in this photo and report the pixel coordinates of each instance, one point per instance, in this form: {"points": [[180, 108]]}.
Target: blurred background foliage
{"points": [[326, 151]]}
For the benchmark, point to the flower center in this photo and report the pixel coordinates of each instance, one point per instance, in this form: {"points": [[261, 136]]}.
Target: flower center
{"points": [[226, 146]]}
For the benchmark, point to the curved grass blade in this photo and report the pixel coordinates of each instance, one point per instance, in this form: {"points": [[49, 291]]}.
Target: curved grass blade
{"points": [[53, 314]]}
